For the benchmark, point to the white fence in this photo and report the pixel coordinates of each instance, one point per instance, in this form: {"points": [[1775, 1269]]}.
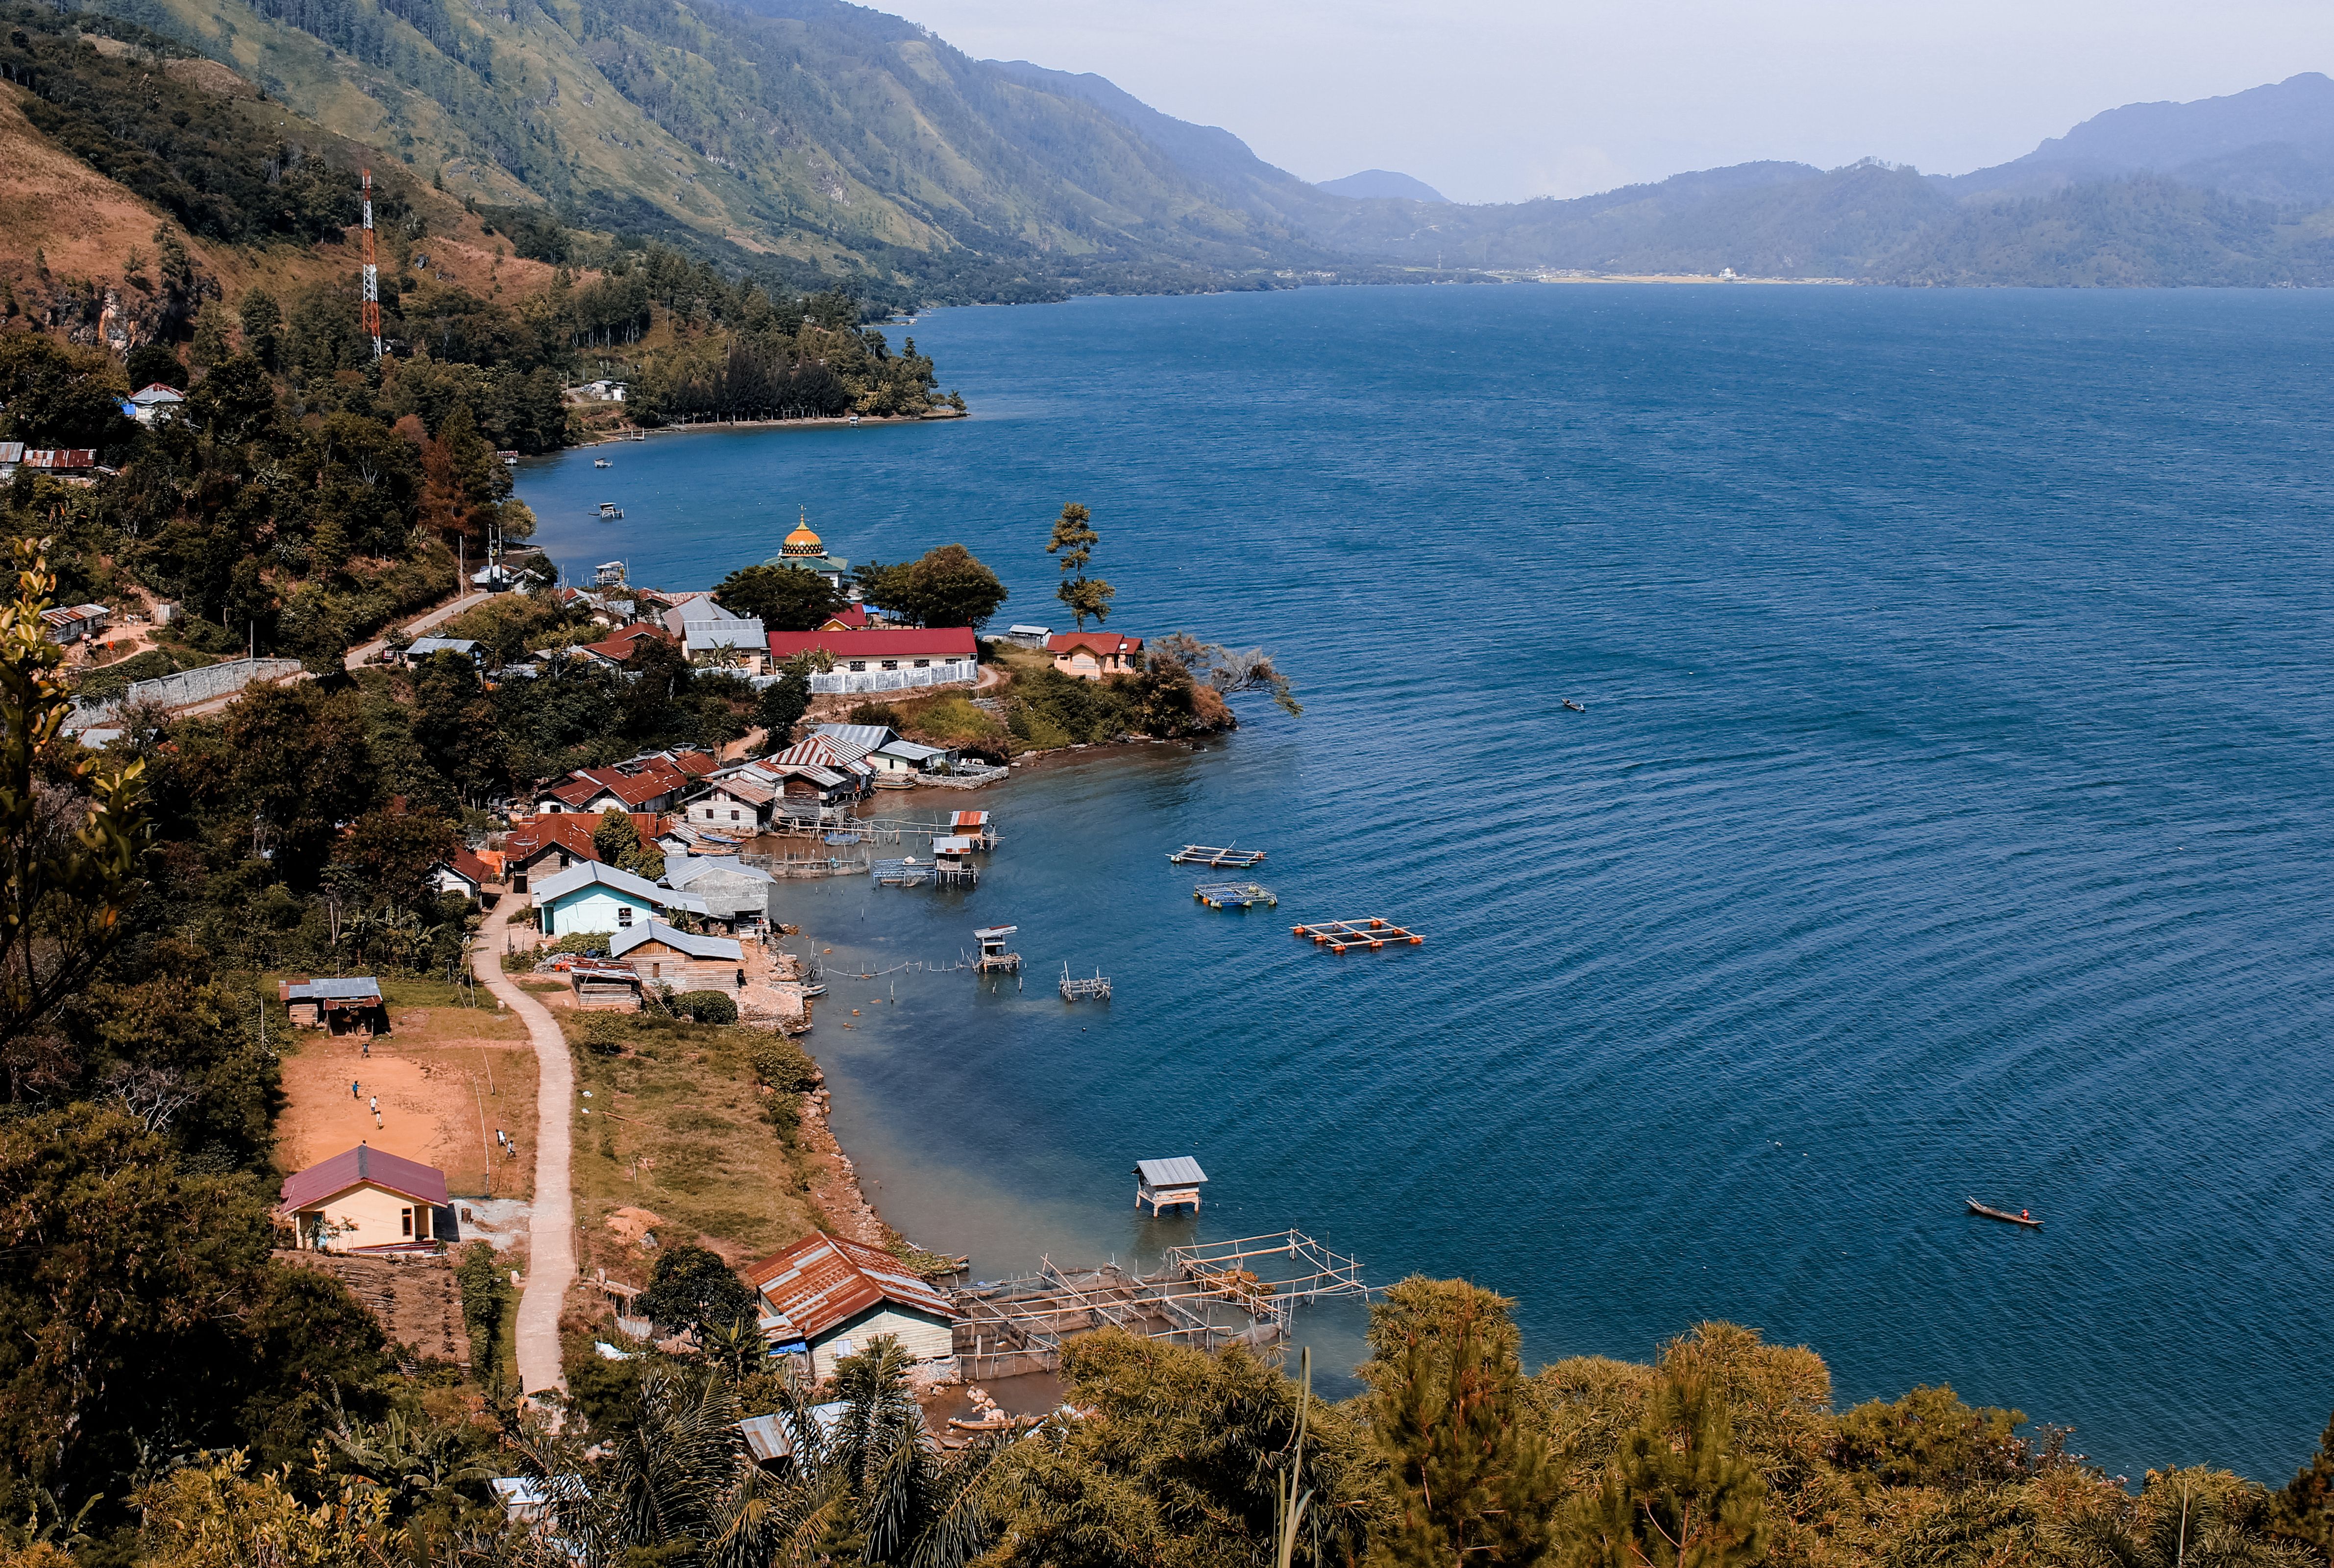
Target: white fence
{"points": [[853, 683], [187, 688]]}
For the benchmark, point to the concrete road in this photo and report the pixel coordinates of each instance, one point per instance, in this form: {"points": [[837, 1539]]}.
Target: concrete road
{"points": [[551, 1235], [363, 652]]}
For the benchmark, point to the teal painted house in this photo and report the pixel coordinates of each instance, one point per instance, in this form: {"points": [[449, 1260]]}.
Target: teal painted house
{"points": [[591, 897]]}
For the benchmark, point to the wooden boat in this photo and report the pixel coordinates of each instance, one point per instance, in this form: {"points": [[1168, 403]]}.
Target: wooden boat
{"points": [[2004, 1215], [1574, 706]]}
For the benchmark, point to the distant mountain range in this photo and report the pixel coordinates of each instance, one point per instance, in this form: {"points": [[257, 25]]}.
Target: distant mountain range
{"points": [[814, 138], [1376, 182]]}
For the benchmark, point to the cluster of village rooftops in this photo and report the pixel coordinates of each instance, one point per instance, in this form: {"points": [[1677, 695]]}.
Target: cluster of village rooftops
{"points": [[870, 653]]}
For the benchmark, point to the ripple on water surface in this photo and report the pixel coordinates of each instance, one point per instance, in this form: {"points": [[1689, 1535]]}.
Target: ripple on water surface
{"points": [[1948, 818]]}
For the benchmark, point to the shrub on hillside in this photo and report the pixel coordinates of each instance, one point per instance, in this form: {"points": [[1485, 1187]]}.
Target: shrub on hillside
{"points": [[706, 1007]]}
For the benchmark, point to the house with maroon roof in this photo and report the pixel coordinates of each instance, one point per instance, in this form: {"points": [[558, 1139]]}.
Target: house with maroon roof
{"points": [[465, 873], [367, 1199], [1092, 655], [545, 847], [618, 644], [827, 1298], [649, 784]]}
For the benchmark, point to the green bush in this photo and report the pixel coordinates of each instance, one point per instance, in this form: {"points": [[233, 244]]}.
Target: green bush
{"points": [[785, 1066], [583, 944], [706, 1007], [485, 1290]]}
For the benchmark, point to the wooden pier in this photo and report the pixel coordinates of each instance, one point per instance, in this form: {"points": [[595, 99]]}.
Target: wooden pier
{"points": [[1075, 990], [1338, 936], [912, 872], [1233, 895], [1212, 855], [1243, 1292]]}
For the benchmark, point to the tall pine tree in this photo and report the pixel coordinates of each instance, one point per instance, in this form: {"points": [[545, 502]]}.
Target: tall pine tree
{"points": [[1677, 1495]]}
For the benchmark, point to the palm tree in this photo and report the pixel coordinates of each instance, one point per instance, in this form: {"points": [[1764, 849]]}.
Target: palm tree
{"points": [[865, 1484]]}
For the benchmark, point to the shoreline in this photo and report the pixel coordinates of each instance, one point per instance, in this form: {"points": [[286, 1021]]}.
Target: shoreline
{"points": [[840, 422]]}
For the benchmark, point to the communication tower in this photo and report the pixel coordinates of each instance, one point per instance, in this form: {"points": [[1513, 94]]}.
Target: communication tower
{"points": [[372, 274]]}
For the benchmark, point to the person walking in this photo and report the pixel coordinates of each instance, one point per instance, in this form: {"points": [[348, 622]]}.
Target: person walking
{"points": [[352, 1090], [373, 1105]]}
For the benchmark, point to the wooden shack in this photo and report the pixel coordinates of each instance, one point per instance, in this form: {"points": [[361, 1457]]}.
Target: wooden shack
{"points": [[347, 1004], [1168, 1183], [602, 985], [662, 956]]}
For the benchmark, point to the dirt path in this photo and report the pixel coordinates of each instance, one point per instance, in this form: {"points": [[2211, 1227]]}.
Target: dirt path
{"points": [[551, 1232]]}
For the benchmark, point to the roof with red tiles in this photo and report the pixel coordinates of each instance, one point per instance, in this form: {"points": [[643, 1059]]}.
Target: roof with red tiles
{"points": [[880, 642]]}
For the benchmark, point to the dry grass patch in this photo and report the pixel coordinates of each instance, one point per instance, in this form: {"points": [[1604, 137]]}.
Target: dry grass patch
{"points": [[679, 1125]]}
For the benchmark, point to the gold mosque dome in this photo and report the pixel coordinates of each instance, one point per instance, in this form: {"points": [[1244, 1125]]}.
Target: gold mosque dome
{"points": [[802, 541]]}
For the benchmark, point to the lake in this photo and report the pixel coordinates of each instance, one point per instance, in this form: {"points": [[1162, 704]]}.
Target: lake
{"points": [[1949, 817]]}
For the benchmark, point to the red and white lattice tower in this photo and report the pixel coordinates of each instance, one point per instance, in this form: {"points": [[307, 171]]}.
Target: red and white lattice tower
{"points": [[371, 272]]}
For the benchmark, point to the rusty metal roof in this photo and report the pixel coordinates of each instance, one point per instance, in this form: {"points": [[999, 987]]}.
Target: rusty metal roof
{"points": [[823, 1281]]}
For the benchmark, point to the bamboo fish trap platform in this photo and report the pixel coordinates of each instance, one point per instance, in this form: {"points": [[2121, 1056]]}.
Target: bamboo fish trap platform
{"points": [[1233, 895], [1214, 1294], [1212, 855], [1080, 990], [1340, 935]]}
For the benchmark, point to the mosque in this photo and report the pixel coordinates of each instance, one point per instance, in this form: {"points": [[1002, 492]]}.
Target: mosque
{"points": [[804, 550]]}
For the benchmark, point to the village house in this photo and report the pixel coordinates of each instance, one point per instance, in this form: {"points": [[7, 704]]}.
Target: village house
{"points": [[545, 845], [709, 634], [1092, 655], [900, 761], [152, 404], [653, 784], [349, 1005], [468, 648], [737, 803], [76, 623], [742, 897], [365, 1200], [662, 956], [915, 657], [617, 647], [1028, 636], [826, 1298], [592, 897], [465, 873]]}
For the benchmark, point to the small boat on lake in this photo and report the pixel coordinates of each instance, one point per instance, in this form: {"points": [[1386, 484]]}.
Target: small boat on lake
{"points": [[1574, 706], [609, 511], [601, 463], [2006, 1217]]}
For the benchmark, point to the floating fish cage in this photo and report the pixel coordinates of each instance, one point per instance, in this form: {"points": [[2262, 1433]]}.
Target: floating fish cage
{"points": [[904, 873], [1215, 855], [1337, 936], [1234, 895]]}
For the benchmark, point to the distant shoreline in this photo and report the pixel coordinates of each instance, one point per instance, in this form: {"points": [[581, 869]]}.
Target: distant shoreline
{"points": [[841, 422]]}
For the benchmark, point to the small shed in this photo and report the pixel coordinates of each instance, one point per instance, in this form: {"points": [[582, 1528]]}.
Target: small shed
{"points": [[468, 648], [365, 1200], [661, 956], [827, 1298], [602, 985], [347, 1005], [993, 950], [908, 757], [1168, 1183]]}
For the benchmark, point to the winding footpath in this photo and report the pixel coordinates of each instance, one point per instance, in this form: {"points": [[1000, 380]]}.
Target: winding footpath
{"points": [[551, 1230]]}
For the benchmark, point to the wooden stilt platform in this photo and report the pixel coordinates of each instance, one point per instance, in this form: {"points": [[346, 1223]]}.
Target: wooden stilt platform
{"points": [[1077, 990], [1213, 855], [1233, 895], [1340, 935]]}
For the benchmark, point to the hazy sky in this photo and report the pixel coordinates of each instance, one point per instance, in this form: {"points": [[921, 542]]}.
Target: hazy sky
{"points": [[1501, 100]]}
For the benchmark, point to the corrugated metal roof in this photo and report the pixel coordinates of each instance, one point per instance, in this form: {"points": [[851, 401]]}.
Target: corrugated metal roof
{"points": [[723, 948], [344, 988], [872, 737], [823, 1281], [975, 820], [912, 751], [767, 1439], [1181, 1171], [363, 1164], [684, 870], [585, 873], [423, 647]]}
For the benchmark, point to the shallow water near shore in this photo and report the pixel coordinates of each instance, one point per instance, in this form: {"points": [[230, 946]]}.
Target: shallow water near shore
{"points": [[1949, 817]]}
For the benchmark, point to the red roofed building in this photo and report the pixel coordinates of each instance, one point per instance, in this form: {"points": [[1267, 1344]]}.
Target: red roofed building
{"points": [[644, 784], [618, 644], [547, 845], [465, 873], [1092, 655], [367, 1199], [884, 658], [828, 1298]]}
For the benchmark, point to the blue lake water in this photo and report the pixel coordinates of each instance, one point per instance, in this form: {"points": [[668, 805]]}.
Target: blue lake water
{"points": [[1950, 817]]}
